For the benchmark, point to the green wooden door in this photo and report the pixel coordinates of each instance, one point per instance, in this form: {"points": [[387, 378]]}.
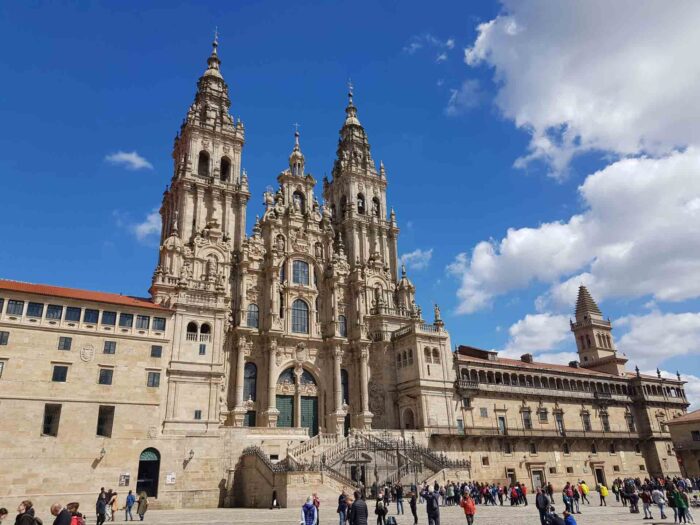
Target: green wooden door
{"points": [[285, 404], [309, 414]]}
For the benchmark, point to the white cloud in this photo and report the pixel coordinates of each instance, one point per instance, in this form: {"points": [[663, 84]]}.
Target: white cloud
{"points": [[441, 57], [130, 160], [463, 99], [417, 259], [692, 386], [637, 236], [618, 77], [536, 333], [427, 40], [149, 228]]}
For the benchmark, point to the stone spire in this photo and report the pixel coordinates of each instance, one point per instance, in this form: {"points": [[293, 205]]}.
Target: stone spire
{"points": [[585, 305], [353, 146], [296, 159]]}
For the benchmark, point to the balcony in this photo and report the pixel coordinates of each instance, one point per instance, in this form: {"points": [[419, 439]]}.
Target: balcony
{"points": [[389, 310], [530, 433], [531, 390], [202, 338]]}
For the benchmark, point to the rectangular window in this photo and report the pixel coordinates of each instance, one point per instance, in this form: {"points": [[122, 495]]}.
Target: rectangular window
{"points": [[91, 316], [156, 351], [64, 343], [15, 307], [694, 434], [153, 379], [641, 467], [300, 273], [552, 470], [569, 470], [202, 349], [605, 421], [143, 322], [616, 468], [60, 373], [527, 420], [105, 421], [105, 377], [2, 304], [542, 415], [110, 347], [485, 461], [198, 414], [559, 419], [631, 424], [533, 448], [35, 310], [159, 324], [4, 338], [73, 313], [109, 318], [507, 448], [126, 320], [2, 367], [586, 418], [52, 416], [484, 412], [54, 311], [460, 426]]}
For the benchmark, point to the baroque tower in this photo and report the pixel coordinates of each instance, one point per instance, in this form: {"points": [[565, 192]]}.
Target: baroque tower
{"points": [[203, 221]]}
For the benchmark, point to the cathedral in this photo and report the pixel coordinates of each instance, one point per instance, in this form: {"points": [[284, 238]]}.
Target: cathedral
{"points": [[295, 357]]}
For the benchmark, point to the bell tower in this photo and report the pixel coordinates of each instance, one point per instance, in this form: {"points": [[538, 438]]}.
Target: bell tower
{"points": [[594, 339], [203, 224]]}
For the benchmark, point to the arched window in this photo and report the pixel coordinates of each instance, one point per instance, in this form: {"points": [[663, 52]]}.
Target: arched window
{"points": [[253, 316], [205, 329], [300, 317], [345, 384], [343, 206], [607, 338], [307, 378], [360, 204], [376, 207], [283, 272], [281, 305], [298, 198], [342, 326], [225, 169], [203, 164], [286, 377], [410, 356], [436, 356], [191, 327], [427, 356], [250, 378], [300, 273], [588, 340], [594, 448]]}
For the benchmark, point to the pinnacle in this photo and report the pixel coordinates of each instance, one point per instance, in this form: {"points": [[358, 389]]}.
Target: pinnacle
{"points": [[585, 303]]}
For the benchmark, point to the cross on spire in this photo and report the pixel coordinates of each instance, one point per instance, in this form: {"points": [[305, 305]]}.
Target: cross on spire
{"points": [[296, 127]]}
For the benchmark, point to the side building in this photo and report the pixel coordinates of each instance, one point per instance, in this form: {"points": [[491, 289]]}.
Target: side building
{"points": [[685, 434]]}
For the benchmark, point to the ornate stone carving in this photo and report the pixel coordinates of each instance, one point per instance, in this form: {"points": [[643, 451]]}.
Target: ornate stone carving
{"points": [[376, 398], [87, 353]]}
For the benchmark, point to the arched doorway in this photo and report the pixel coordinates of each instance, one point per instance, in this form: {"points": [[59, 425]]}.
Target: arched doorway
{"points": [[297, 400], [409, 420], [149, 472]]}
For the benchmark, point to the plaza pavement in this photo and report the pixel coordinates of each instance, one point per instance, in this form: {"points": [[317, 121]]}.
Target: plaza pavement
{"points": [[613, 514]]}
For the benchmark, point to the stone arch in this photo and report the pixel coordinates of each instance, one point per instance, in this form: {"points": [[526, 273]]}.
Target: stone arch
{"points": [[409, 419]]}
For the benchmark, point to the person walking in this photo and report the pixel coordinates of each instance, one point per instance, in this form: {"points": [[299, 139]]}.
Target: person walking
{"points": [[25, 513], [412, 504], [342, 508], [681, 505], [142, 505], [128, 504], [550, 491], [523, 493], [658, 497], [646, 504], [309, 513], [380, 509], [671, 502], [432, 507], [101, 508], [575, 496], [469, 507], [317, 503], [76, 517], [603, 491], [62, 515], [542, 504], [359, 514], [584, 492]]}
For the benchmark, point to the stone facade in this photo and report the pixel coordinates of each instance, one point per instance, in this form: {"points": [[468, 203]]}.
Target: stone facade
{"points": [[307, 327], [685, 433]]}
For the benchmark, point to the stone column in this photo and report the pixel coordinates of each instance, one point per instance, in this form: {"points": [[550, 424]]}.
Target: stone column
{"points": [[297, 396], [272, 413], [366, 415], [338, 417], [239, 410]]}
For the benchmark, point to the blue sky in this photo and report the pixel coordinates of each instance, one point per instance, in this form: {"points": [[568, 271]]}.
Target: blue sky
{"points": [[521, 171]]}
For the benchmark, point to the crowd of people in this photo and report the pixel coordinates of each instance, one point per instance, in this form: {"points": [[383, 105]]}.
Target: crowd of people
{"points": [[106, 508], [663, 493]]}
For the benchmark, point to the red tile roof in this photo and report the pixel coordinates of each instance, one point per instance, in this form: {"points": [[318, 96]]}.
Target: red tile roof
{"points": [[690, 417], [81, 295]]}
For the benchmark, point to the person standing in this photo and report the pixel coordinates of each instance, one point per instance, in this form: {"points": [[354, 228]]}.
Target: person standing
{"points": [[399, 498], [114, 505], [359, 513], [542, 504], [76, 517], [62, 515], [101, 508], [469, 507], [568, 518], [108, 504], [412, 504], [523, 493], [128, 504], [317, 504], [432, 507], [681, 505], [342, 508], [658, 498], [309, 513], [550, 491], [575, 496], [380, 509], [142, 505], [646, 504], [25, 513]]}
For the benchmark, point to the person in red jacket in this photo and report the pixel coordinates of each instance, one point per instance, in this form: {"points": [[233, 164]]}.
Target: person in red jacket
{"points": [[523, 488], [469, 507]]}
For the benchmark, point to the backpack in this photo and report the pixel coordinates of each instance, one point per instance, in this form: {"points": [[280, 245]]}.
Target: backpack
{"points": [[391, 520], [431, 504]]}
